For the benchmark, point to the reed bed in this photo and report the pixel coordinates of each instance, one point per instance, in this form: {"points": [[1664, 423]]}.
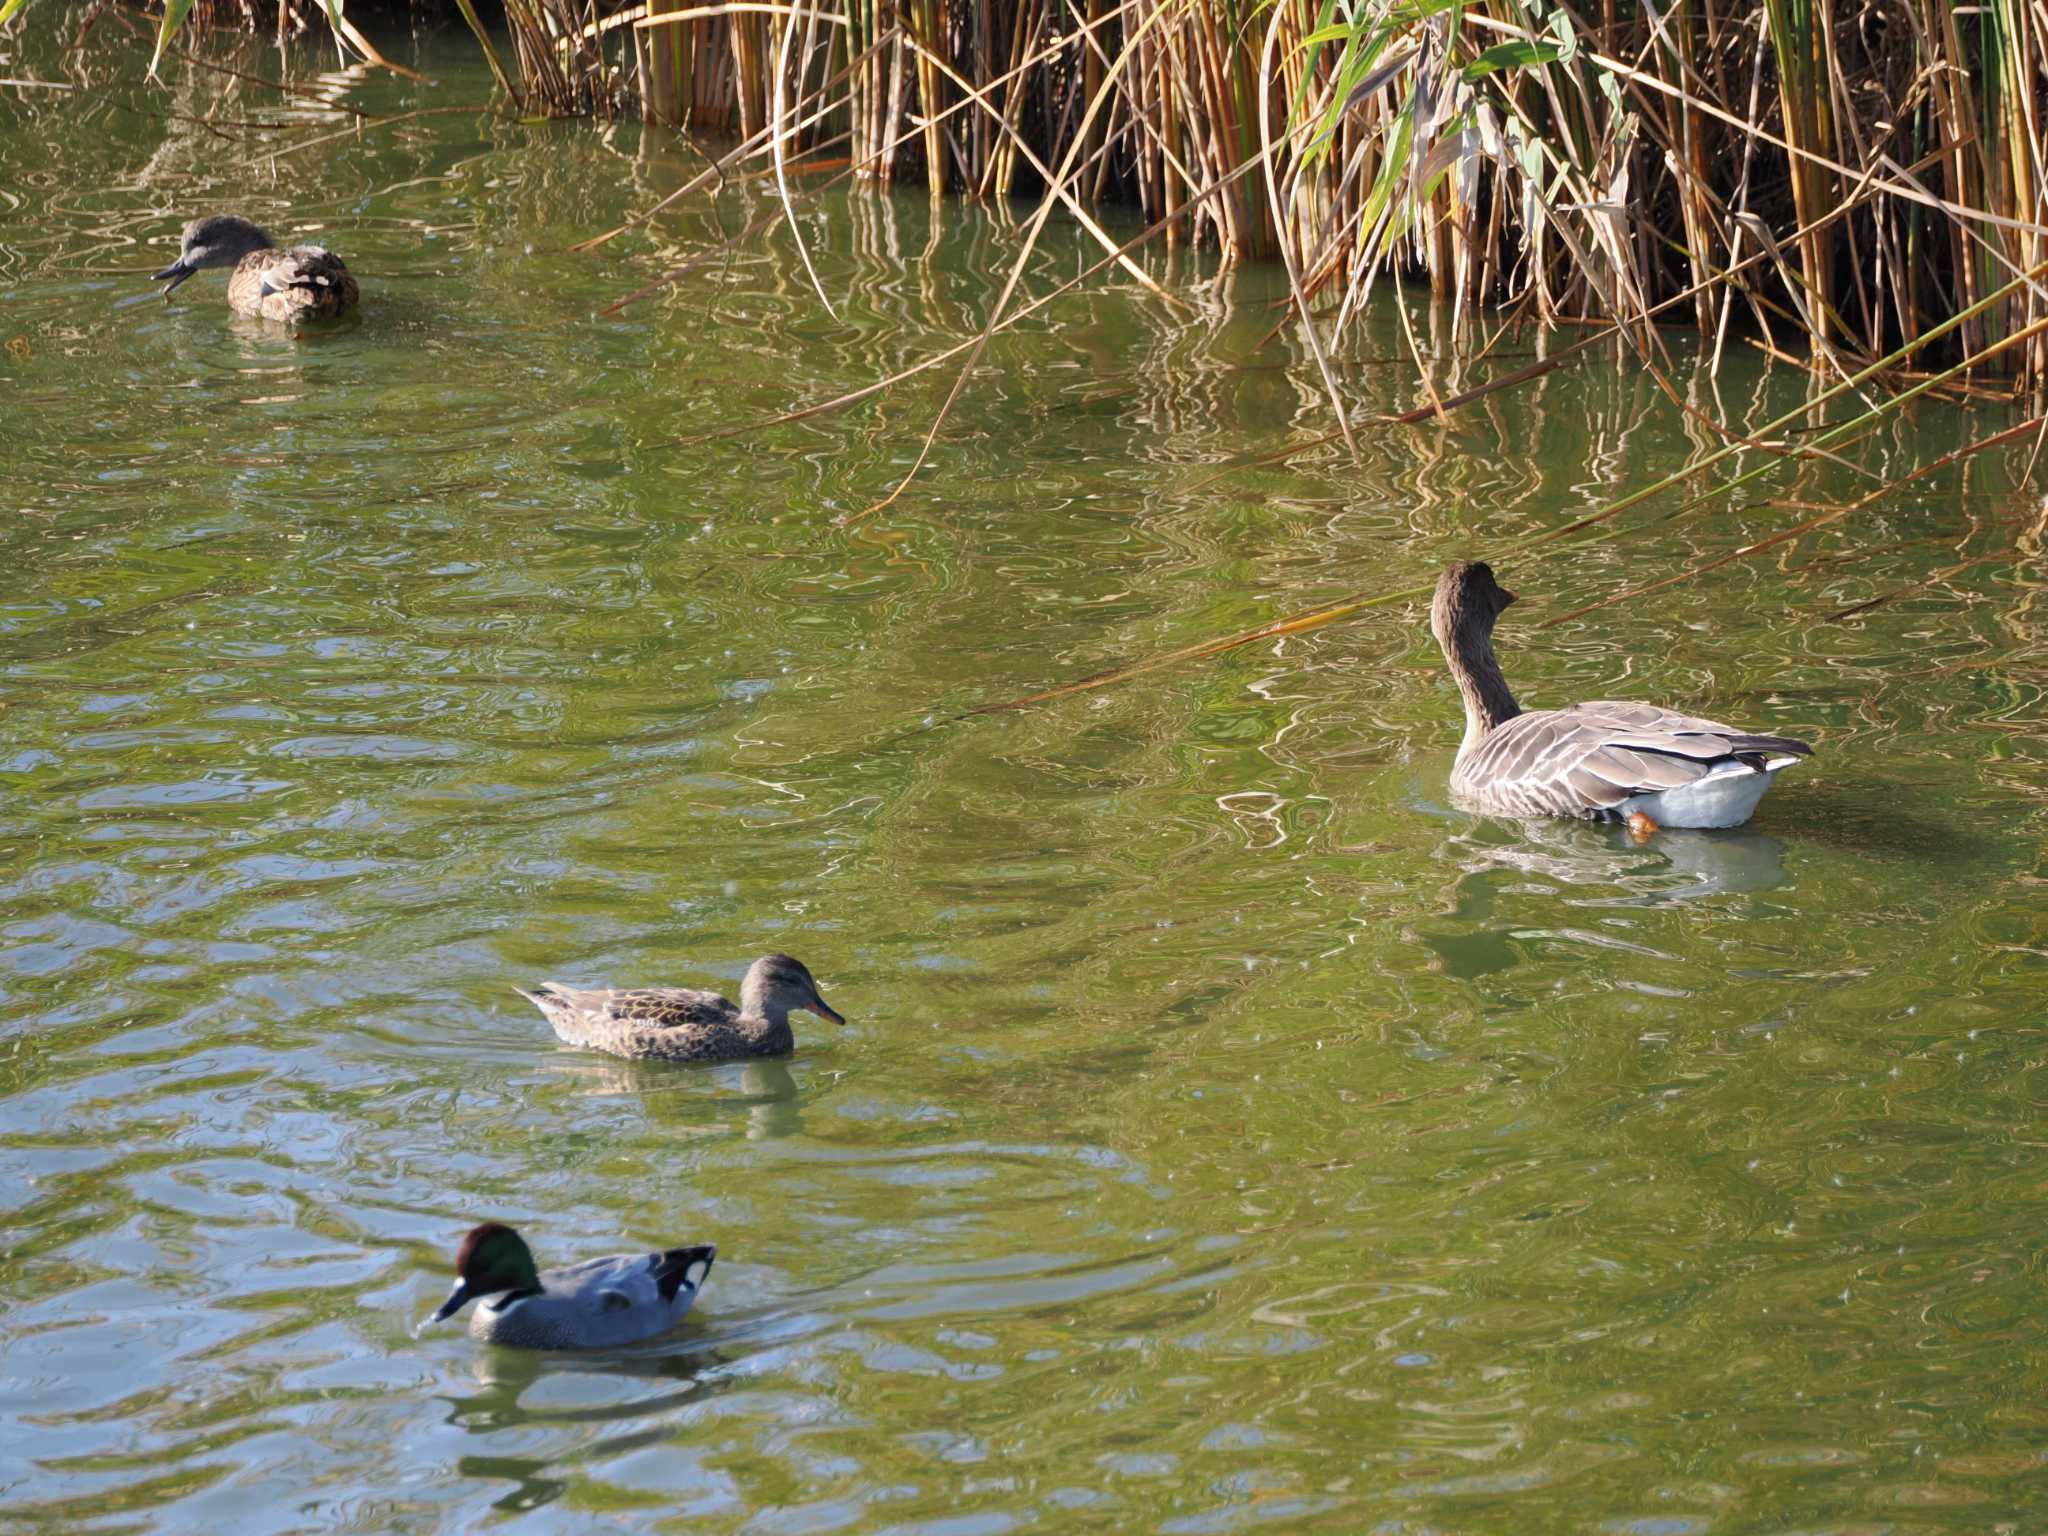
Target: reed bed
{"points": [[1828, 181]]}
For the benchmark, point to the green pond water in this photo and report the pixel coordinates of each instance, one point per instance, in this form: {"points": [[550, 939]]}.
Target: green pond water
{"points": [[1229, 1133]]}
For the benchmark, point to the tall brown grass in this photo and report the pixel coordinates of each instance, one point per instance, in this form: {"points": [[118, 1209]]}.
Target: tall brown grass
{"points": [[1840, 176], [1836, 177]]}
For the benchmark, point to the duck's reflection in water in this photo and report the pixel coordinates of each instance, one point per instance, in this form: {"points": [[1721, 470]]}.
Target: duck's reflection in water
{"points": [[545, 1407], [585, 1385], [684, 1093]]}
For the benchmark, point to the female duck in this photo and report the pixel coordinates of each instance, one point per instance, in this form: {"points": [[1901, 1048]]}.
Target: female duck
{"points": [[1603, 761], [679, 1024], [304, 282], [598, 1304]]}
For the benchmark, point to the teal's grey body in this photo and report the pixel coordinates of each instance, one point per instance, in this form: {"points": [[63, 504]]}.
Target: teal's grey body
{"points": [[598, 1304]]}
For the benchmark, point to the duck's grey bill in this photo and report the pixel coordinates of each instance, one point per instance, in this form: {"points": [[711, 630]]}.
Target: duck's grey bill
{"points": [[826, 1010], [177, 272], [457, 1300]]}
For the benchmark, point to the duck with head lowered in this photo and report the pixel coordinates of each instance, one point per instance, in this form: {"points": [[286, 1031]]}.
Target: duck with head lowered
{"points": [[683, 1024], [1603, 761], [598, 1304], [294, 285]]}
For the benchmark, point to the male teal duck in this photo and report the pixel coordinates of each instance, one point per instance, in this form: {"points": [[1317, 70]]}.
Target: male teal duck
{"points": [[301, 283], [1603, 761], [598, 1304], [679, 1024]]}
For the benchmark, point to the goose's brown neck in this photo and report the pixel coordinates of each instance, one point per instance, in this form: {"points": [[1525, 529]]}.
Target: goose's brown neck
{"points": [[1488, 703], [1463, 622]]}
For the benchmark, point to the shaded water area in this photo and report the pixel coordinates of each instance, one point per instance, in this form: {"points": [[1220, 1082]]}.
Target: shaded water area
{"points": [[1229, 1134]]}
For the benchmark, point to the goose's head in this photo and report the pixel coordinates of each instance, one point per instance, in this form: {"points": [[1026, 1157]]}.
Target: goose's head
{"points": [[492, 1259], [1468, 601], [217, 240], [777, 984]]}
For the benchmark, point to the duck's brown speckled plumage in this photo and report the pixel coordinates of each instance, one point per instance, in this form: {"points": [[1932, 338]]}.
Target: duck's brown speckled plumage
{"points": [[292, 286], [682, 1023], [301, 283]]}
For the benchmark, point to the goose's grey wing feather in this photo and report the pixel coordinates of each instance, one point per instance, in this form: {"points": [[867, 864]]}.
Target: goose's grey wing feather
{"points": [[1587, 760], [1652, 729]]}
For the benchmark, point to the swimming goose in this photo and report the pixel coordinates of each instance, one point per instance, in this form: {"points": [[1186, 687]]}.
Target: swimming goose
{"points": [[598, 1304], [304, 282], [1604, 761], [679, 1024]]}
